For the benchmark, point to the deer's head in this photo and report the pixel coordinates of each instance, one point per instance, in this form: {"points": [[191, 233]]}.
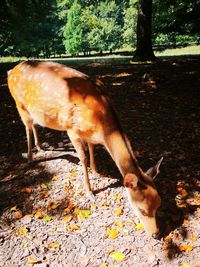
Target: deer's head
{"points": [[144, 197]]}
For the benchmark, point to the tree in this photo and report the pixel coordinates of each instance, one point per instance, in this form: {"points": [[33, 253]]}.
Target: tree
{"points": [[129, 29], [73, 30], [144, 41], [105, 32]]}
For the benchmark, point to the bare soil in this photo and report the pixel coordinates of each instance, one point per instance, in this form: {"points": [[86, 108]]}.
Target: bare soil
{"points": [[158, 106]]}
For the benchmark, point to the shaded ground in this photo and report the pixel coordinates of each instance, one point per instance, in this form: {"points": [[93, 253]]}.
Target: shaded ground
{"points": [[158, 105]]}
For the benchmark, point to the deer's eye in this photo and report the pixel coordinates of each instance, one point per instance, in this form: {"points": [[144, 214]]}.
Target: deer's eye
{"points": [[144, 213]]}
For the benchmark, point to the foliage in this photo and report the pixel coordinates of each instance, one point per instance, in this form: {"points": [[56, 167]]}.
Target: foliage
{"points": [[34, 28]]}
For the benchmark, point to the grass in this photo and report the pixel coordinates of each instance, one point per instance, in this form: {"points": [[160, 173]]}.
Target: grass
{"points": [[188, 50], [112, 59]]}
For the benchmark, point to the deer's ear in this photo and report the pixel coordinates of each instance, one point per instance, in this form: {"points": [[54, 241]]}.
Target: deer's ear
{"points": [[130, 180], [154, 171]]}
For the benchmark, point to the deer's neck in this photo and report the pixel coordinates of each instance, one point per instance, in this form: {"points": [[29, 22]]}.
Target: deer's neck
{"points": [[120, 150]]}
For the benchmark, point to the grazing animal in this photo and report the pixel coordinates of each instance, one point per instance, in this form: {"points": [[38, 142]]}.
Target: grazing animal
{"points": [[61, 98]]}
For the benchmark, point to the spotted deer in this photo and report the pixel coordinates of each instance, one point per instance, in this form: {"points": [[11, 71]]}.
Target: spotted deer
{"points": [[61, 98]]}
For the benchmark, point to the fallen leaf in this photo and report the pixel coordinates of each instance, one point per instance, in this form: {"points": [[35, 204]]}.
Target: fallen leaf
{"points": [[47, 218], [139, 226], [117, 198], [26, 190], [54, 178], [44, 186], [81, 214], [119, 211], [103, 265], [119, 224], [17, 215], [185, 247], [112, 233], [22, 231], [73, 174], [55, 205], [73, 227], [39, 215], [54, 245], [31, 260], [67, 218], [185, 264], [117, 256]]}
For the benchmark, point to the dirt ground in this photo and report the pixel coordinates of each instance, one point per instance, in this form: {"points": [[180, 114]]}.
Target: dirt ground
{"points": [[45, 217]]}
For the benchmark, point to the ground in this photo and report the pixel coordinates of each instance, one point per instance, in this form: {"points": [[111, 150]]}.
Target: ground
{"points": [[46, 218]]}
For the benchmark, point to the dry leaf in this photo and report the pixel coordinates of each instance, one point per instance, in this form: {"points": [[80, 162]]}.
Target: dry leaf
{"points": [[31, 260], [44, 186], [117, 198], [119, 211], [17, 215], [26, 190], [39, 215], [47, 218], [103, 265], [73, 174], [67, 218], [119, 224], [185, 247], [81, 214], [117, 256], [73, 227], [54, 178], [185, 264], [112, 233], [139, 226], [54, 245], [22, 231]]}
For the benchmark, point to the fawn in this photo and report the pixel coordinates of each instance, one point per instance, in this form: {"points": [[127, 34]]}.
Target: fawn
{"points": [[61, 98]]}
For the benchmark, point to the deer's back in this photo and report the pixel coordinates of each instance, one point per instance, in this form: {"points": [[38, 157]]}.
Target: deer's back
{"points": [[60, 98]]}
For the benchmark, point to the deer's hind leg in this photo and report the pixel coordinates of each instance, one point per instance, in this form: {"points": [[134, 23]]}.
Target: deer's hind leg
{"points": [[28, 123]]}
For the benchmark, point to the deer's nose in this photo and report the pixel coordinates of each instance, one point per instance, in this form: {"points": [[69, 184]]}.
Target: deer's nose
{"points": [[156, 235]]}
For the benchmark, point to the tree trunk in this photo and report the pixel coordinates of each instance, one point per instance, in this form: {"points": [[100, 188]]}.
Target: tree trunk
{"points": [[144, 50]]}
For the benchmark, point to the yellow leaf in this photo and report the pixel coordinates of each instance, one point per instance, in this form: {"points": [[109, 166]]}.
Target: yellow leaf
{"points": [[112, 233], [22, 231], [81, 214], [55, 205], [44, 186], [67, 218], [54, 178], [73, 227], [117, 198], [103, 265], [54, 245], [185, 247], [12, 225], [119, 224], [139, 226], [117, 256], [24, 245], [47, 218], [73, 174], [193, 238], [39, 215], [185, 264], [31, 260], [118, 211]]}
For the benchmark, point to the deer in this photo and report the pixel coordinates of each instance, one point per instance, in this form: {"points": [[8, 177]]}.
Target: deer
{"points": [[58, 97]]}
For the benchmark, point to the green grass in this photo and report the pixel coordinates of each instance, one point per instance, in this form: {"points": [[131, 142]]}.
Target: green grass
{"points": [[112, 59], [189, 50]]}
